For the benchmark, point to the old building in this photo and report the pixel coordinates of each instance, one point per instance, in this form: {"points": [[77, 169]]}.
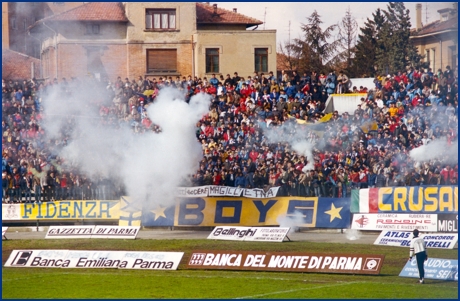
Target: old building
{"points": [[152, 39], [438, 41]]}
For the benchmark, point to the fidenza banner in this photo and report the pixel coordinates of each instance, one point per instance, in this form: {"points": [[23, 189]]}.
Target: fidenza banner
{"points": [[397, 222], [213, 191], [120, 232], [402, 239], [270, 234], [307, 212], [94, 259], [419, 199], [102, 210], [286, 262], [435, 268]]}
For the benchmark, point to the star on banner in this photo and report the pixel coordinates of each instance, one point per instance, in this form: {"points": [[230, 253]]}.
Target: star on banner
{"points": [[334, 212], [159, 212]]}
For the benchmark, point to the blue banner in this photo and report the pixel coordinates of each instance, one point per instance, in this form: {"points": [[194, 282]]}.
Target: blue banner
{"points": [[435, 268], [220, 211]]}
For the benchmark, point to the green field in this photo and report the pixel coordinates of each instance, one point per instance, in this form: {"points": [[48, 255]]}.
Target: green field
{"points": [[40, 283]]}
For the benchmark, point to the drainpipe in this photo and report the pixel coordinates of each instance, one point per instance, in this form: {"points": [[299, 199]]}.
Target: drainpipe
{"points": [[40, 41], [55, 48], [193, 57]]}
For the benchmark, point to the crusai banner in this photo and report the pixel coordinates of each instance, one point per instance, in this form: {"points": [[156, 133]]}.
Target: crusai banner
{"points": [[420, 199]]}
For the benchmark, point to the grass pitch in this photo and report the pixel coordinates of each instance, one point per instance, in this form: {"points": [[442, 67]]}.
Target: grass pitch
{"points": [[33, 283]]}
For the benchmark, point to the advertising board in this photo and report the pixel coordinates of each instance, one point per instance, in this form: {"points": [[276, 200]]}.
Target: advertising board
{"points": [[403, 238], [286, 262], [270, 234], [117, 232], [395, 222], [435, 268]]}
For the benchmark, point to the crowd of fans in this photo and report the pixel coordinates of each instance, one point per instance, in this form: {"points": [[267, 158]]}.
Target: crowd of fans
{"points": [[368, 147]]}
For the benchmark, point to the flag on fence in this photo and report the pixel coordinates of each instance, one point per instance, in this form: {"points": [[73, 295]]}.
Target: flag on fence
{"points": [[365, 200]]}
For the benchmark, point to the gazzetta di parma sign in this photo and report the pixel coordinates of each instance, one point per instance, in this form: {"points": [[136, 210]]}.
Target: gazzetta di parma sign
{"points": [[286, 262]]}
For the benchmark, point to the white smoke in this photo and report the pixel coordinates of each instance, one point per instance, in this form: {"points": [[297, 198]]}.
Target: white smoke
{"points": [[437, 149], [295, 135], [352, 234], [151, 165], [293, 221]]}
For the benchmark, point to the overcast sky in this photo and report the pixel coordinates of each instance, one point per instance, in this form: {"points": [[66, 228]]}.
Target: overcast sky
{"points": [[278, 14]]}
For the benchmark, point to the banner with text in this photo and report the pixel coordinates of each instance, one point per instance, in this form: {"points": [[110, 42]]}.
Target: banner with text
{"points": [[416, 199], [395, 222], [448, 223], [118, 232], [435, 268], [286, 262], [98, 209], [94, 259], [270, 234], [218, 191], [226, 211], [402, 239]]}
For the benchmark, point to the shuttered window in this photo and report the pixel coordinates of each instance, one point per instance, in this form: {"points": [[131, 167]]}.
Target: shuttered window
{"points": [[212, 60], [161, 60]]}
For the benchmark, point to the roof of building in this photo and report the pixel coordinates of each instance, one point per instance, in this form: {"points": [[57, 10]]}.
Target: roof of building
{"points": [[437, 26], [205, 15], [16, 65], [92, 11]]}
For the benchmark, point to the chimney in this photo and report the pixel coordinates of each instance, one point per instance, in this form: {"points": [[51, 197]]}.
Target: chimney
{"points": [[234, 10], [215, 8], [418, 16]]}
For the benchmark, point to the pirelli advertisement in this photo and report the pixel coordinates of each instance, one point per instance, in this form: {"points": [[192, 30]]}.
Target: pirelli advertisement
{"points": [[286, 262]]}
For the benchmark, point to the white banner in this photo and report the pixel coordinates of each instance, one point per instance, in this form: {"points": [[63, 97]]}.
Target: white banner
{"points": [[4, 229], [212, 191], [37, 258], [11, 212], [94, 259], [153, 260], [395, 222], [273, 234], [121, 232], [69, 232], [402, 239]]}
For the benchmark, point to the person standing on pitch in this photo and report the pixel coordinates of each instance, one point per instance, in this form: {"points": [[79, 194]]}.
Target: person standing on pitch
{"points": [[418, 246]]}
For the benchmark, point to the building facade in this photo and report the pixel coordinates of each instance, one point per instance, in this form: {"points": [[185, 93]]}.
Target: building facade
{"points": [[152, 39], [438, 41]]}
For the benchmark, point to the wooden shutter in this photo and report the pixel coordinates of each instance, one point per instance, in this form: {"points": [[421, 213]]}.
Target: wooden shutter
{"points": [[162, 60]]}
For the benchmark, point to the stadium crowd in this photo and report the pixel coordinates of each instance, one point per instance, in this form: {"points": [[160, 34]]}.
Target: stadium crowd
{"points": [[368, 147]]}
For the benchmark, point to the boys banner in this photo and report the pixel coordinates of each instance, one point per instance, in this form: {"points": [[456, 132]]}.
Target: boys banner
{"points": [[415, 199], [303, 212]]}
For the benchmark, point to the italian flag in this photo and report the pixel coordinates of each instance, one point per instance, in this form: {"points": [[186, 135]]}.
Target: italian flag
{"points": [[364, 200]]}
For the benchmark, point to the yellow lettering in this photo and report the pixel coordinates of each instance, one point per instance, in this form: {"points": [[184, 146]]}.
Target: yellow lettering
{"points": [[400, 194], [429, 191], [456, 199], [446, 190], [419, 206], [382, 192]]}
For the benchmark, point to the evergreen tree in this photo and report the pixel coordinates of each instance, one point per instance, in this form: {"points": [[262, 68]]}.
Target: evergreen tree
{"points": [[314, 50], [395, 51], [366, 47]]}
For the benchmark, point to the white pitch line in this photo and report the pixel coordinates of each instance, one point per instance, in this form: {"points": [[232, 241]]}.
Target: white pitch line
{"points": [[297, 290]]}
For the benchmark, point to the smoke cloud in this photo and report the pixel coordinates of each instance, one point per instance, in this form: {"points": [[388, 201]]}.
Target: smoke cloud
{"points": [[294, 221], [150, 165], [436, 149]]}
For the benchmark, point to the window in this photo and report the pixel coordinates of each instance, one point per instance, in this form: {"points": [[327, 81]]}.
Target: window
{"points": [[212, 60], [25, 24], [92, 29], [261, 59], [160, 19], [13, 23], [161, 60]]}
